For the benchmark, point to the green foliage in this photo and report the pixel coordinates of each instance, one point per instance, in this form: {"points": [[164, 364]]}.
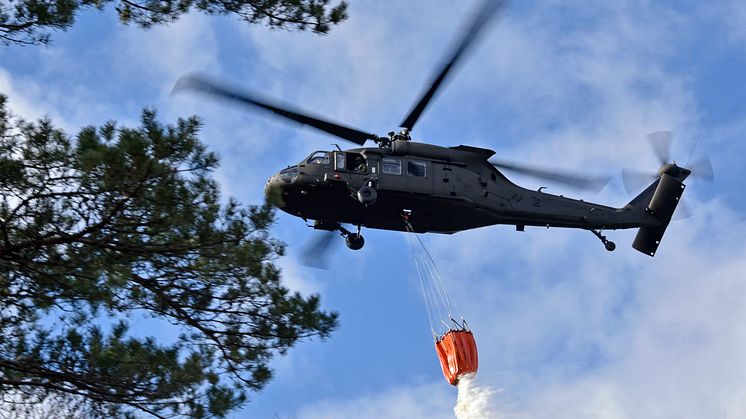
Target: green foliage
{"points": [[27, 21], [124, 223]]}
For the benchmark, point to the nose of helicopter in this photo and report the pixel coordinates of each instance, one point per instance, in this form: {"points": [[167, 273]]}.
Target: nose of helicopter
{"points": [[273, 190]]}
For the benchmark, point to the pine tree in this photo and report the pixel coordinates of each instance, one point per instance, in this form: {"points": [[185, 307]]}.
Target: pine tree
{"points": [[28, 21], [121, 224]]}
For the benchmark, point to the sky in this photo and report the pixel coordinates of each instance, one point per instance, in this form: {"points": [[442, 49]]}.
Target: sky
{"points": [[565, 329]]}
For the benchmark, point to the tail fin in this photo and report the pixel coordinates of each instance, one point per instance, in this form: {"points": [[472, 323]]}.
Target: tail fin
{"points": [[659, 200], [643, 199]]}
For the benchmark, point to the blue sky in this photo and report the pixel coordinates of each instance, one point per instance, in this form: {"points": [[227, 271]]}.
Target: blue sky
{"points": [[565, 329]]}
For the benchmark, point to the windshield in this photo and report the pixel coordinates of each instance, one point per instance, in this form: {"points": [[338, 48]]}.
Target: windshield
{"points": [[318, 157]]}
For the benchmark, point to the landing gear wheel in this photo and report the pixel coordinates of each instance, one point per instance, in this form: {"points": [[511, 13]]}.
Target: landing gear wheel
{"points": [[354, 241], [367, 195], [608, 244]]}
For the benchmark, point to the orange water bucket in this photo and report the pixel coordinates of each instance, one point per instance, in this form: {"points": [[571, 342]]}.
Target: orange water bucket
{"points": [[457, 351]]}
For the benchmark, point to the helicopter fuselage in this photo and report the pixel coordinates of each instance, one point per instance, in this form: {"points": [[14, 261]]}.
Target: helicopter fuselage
{"points": [[441, 189]]}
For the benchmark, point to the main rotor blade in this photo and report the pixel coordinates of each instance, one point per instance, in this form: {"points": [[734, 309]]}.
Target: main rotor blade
{"points": [[661, 143], [316, 251], [575, 180], [635, 182], [488, 9], [193, 82]]}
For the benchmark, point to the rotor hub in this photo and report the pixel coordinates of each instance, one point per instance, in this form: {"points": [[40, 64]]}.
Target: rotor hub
{"points": [[673, 170]]}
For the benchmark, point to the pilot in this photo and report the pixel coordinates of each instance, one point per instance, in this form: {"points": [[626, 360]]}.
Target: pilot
{"points": [[360, 165]]}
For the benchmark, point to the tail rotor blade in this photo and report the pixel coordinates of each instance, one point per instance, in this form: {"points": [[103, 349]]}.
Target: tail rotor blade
{"points": [[661, 143], [634, 182], [702, 169], [572, 179], [683, 211]]}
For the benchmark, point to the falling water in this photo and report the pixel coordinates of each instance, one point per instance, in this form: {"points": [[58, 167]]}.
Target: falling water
{"points": [[474, 402]]}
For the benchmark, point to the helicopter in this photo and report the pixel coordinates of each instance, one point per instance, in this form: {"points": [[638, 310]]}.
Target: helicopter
{"points": [[403, 185]]}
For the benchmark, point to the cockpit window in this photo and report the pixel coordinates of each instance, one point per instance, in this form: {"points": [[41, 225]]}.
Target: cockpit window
{"points": [[319, 157], [350, 162], [340, 164]]}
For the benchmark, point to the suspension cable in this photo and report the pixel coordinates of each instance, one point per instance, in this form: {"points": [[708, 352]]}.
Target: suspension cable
{"points": [[438, 279], [421, 277], [438, 302]]}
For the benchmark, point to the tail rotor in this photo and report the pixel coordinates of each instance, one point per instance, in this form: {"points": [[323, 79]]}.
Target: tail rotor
{"points": [[663, 191], [661, 142]]}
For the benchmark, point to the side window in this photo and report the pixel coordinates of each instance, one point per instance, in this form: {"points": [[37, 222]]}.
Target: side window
{"points": [[340, 161], [319, 157], [391, 166], [416, 168]]}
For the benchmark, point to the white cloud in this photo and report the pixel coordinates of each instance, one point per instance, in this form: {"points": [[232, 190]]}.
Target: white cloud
{"points": [[412, 402], [566, 328], [29, 99], [300, 278], [670, 348], [158, 56], [590, 336], [17, 101]]}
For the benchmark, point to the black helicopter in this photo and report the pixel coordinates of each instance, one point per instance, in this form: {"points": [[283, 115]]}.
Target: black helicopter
{"points": [[405, 185]]}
